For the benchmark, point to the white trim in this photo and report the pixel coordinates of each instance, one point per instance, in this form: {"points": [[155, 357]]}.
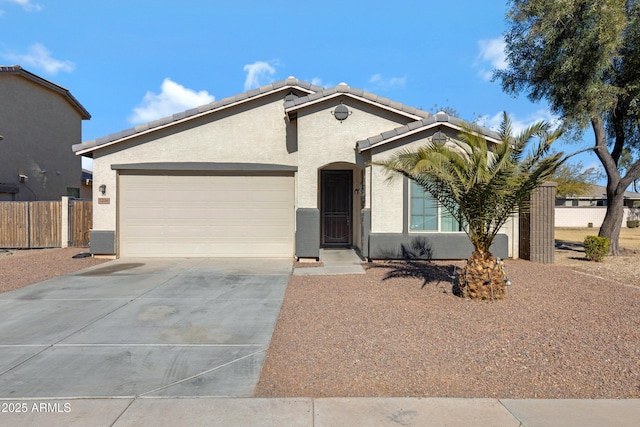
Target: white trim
{"points": [[421, 129], [439, 207], [185, 119], [356, 97]]}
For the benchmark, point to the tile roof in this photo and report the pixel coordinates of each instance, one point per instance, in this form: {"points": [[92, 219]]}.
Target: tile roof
{"points": [[290, 82], [18, 70], [424, 120], [344, 89], [600, 192], [429, 122]]}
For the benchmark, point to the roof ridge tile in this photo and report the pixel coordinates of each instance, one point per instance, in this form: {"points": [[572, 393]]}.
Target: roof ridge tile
{"points": [[318, 93], [416, 126]]}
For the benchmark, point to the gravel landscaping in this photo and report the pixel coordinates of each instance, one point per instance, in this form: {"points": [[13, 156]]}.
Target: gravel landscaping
{"points": [[564, 330], [24, 267], [398, 331]]}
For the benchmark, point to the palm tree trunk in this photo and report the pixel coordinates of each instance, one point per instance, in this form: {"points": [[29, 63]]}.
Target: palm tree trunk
{"points": [[483, 277]]}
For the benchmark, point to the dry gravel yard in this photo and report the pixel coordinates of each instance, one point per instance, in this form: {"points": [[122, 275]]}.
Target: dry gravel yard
{"points": [[20, 268], [570, 330], [398, 331], [623, 269]]}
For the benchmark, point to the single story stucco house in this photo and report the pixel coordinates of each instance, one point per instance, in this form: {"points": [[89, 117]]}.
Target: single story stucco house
{"points": [[279, 171], [596, 195]]}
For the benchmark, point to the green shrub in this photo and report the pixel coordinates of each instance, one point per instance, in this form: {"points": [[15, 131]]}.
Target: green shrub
{"points": [[596, 248], [633, 223]]}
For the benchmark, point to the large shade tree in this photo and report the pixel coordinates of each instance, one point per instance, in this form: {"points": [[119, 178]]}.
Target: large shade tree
{"points": [[482, 184], [574, 180], [583, 57]]}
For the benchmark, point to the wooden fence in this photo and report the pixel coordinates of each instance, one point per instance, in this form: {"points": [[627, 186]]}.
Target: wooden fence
{"points": [[80, 217], [30, 225]]}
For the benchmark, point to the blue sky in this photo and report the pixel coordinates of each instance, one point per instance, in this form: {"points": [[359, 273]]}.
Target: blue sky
{"points": [[132, 61]]}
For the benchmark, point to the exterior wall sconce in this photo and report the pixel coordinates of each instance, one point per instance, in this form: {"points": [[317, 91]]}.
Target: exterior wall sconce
{"points": [[103, 189]]}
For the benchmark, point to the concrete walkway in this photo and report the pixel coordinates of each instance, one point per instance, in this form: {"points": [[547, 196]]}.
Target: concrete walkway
{"points": [[328, 412], [334, 262]]}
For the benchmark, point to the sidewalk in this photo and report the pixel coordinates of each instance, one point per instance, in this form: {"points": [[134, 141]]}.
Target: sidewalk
{"points": [[325, 412]]}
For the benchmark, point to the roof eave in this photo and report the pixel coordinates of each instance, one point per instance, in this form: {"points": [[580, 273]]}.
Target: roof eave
{"points": [[416, 131], [18, 70], [292, 111], [131, 135]]}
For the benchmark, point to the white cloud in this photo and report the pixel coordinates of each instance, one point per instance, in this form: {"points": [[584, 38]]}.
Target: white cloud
{"points": [[387, 83], [519, 124], [27, 5], [594, 165], [39, 57], [318, 82], [172, 99], [492, 51], [258, 74]]}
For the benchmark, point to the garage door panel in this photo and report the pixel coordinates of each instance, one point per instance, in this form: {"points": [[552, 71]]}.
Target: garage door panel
{"points": [[270, 197], [206, 216]]}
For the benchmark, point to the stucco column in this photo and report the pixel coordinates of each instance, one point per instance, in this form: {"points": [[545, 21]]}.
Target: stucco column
{"points": [[64, 223]]}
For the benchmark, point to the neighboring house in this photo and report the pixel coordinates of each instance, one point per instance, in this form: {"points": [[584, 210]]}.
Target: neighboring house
{"points": [[597, 196], [588, 210], [278, 171], [39, 122], [86, 186]]}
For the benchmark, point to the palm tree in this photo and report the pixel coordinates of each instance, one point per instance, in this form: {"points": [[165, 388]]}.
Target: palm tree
{"points": [[482, 185]]}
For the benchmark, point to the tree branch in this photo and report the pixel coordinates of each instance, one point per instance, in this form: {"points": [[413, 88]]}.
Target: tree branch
{"points": [[601, 151]]}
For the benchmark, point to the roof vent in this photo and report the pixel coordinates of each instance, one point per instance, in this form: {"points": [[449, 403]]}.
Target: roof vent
{"points": [[341, 112], [290, 96], [439, 138]]}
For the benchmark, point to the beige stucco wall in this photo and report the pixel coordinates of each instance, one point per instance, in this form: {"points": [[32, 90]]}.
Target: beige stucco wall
{"points": [[239, 134], [323, 140], [387, 198], [259, 134], [39, 127], [327, 143], [582, 216]]}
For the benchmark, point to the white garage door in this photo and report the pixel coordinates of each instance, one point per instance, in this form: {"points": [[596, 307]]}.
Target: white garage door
{"points": [[206, 215]]}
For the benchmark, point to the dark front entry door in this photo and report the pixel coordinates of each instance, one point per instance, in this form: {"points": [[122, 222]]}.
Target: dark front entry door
{"points": [[336, 207]]}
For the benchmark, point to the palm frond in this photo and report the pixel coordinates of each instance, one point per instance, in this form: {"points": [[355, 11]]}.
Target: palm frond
{"points": [[480, 184]]}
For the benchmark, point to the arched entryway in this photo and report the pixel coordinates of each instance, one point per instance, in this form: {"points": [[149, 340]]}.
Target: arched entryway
{"points": [[340, 203]]}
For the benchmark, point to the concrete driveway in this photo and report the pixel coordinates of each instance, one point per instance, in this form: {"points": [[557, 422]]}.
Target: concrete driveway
{"points": [[142, 327]]}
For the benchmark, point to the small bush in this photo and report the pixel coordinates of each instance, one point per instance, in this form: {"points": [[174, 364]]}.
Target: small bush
{"points": [[633, 223], [596, 248]]}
